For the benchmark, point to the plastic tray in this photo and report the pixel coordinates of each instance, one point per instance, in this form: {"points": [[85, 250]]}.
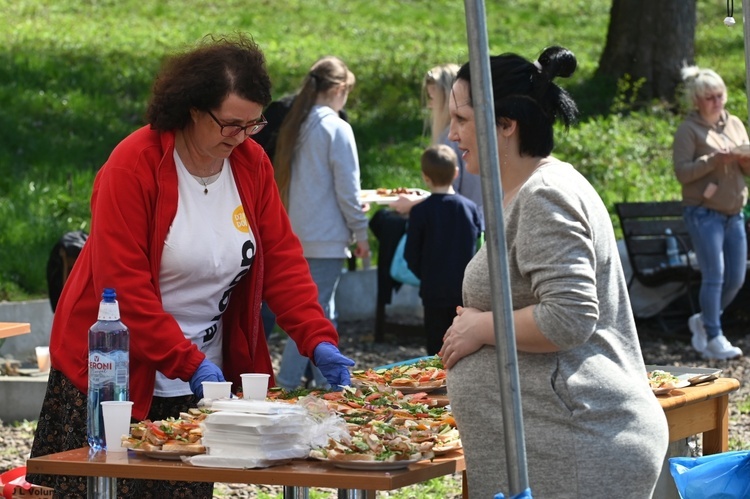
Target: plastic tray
{"points": [[693, 375]]}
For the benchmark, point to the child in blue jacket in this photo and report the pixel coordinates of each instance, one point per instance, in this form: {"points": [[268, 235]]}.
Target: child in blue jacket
{"points": [[441, 239]]}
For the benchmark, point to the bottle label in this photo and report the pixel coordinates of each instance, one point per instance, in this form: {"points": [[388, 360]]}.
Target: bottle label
{"points": [[108, 368]]}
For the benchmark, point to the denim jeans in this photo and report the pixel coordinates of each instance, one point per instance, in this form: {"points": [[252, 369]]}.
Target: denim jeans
{"points": [[268, 318], [720, 245], [326, 272]]}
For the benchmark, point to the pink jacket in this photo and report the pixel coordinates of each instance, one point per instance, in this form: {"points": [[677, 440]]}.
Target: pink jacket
{"points": [[133, 204]]}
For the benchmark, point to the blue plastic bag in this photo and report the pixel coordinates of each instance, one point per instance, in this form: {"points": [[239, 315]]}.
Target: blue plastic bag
{"points": [[399, 269], [717, 476], [526, 494]]}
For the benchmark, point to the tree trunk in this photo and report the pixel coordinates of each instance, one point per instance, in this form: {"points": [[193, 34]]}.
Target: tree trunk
{"points": [[650, 39]]}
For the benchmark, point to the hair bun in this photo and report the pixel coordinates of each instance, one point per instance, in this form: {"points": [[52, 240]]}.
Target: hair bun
{"points": [[558, 61]]}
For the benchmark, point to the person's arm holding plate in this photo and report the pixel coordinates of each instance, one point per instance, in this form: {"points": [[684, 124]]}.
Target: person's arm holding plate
{"points": [[406, 202], [742, 151]]}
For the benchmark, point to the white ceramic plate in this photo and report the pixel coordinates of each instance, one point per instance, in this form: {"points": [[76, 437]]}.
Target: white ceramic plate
{"points": [[663, 391], [743, 150]]}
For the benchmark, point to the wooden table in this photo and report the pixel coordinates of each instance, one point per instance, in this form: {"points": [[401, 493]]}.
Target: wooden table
{"points": [[8, 329], [701, 409], [692, 410], [297, 473]]}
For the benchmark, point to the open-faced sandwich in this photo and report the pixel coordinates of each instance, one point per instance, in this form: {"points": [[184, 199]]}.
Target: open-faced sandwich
{"points": [[426, 373], [376, 441], [446, 440], [174, 435], [659, 379]]}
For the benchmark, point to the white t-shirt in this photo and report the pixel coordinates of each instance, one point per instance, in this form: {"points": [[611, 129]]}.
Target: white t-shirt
{"points": [[208, 249]]}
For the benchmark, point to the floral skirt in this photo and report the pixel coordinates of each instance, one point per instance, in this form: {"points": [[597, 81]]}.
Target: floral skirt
{"points": [[62, 426]]}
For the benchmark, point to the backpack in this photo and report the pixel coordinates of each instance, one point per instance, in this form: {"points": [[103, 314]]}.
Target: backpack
{"points": [[399, 268], [60, 262], [275, 114]]}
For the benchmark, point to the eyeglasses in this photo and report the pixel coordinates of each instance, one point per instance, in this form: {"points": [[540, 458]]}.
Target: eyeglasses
{"points": [[713, 97], [232, 130]]}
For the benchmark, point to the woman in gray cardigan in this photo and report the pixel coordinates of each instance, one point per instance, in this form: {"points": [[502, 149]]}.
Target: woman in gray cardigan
{"points": [[593, 428]]}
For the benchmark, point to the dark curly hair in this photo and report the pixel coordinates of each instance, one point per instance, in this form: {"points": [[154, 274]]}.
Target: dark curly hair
{"points": [[204, 76], [524, 91]]}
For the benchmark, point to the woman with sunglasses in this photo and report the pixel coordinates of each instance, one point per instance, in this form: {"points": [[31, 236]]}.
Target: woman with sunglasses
{"points": [[711, 160], [317, 171], [188, 227]]}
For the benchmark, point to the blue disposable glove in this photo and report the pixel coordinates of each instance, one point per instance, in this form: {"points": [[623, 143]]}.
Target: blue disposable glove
{"points": [[207, 371], [332, 364]]}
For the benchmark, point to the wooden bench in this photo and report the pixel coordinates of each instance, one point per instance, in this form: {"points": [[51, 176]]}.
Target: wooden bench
{"points": [[644, 229]]}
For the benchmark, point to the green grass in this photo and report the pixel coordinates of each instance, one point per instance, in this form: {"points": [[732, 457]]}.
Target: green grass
{"points": [[75, 77], [744, 406], [448, 487]]}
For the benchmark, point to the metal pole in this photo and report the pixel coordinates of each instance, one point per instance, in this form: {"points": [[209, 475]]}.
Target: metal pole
{"points": [[356, 494], [502, 307], [746, 32], [294, 492], [101, 487]]}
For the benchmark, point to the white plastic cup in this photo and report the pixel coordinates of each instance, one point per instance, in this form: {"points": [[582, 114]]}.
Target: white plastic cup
{"points": [[42, 359], [116, 423], [254, 386], [215, 390]]}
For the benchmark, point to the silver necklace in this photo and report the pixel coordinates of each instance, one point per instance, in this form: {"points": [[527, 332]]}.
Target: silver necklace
{"points": [[206, 181]]}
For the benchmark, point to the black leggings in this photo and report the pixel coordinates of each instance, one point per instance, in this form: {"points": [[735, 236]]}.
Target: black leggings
{"points": [[437, 320]]}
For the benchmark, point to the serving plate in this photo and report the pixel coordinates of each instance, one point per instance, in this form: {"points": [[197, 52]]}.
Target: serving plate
{"points": [[372, 465], [372, 196], [693, 375], [167, 455], [663, 391], [406, 390], [445, 449]]}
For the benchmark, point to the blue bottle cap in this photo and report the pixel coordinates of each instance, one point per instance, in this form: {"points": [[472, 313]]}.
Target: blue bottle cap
{"points": [[109, 295]]}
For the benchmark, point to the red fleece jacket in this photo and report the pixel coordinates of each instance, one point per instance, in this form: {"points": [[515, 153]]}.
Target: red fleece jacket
{"points": [[133, 204]]}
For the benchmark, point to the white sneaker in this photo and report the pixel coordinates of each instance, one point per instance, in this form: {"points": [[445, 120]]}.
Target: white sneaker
{"points": [[720, 348], [699, 339]]}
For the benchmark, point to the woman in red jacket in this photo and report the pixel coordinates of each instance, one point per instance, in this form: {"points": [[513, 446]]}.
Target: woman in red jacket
{"points": [[186, 224]]}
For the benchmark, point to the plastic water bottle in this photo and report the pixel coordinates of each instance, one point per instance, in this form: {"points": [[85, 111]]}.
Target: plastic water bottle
{"points": [[673, 254], [109, 369]]}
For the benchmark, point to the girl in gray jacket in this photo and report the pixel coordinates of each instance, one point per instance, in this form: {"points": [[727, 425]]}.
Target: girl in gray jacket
{"points": [[317, 171]]}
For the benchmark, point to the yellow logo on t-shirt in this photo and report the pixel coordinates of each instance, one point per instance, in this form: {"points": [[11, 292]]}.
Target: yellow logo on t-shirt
{"points": [[238, 217]]}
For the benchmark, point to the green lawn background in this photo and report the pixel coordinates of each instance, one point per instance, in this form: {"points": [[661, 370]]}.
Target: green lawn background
{"points": [[75, 77]]}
